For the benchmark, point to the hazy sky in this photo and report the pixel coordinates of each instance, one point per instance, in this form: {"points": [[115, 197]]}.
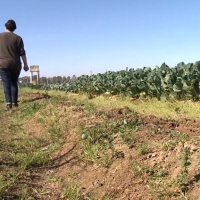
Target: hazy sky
{"points": [[66, 37]]}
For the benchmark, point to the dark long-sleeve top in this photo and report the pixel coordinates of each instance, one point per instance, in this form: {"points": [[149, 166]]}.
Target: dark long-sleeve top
{"points": [[11, 48]]}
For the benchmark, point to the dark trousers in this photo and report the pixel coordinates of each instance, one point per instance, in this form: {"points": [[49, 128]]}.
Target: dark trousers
{"points": [[10, 84]]}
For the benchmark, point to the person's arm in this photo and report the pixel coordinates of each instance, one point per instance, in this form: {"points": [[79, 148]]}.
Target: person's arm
{"points": [[26, 68], [22, 53]]}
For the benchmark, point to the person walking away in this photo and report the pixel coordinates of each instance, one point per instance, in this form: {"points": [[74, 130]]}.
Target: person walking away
{"points": [[11, 52]]}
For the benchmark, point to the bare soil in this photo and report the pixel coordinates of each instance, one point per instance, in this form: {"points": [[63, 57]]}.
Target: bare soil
{"points": [[166, 140]]}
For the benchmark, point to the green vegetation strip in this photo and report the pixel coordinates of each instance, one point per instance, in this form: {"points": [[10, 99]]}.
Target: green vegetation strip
{"points": [[29, 134], [163, 83]]}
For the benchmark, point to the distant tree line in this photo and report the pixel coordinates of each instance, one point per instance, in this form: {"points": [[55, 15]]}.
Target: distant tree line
{"points": [[48, 80]]}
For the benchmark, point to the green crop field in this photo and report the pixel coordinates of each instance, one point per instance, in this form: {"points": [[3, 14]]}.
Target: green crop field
{"points": [[164, 83]]}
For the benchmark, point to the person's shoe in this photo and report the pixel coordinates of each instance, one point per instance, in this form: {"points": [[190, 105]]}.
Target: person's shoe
{"points": [[14, 104], [8, 107]]}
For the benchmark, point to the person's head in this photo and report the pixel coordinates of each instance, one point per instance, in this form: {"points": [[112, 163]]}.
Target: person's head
{"points": [[10, 25]]}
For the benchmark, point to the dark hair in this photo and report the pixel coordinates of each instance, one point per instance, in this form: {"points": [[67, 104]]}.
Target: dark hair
{"points": [[10, 25]]}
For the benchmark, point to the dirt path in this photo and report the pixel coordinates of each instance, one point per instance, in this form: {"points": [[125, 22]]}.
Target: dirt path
{"points": [[155, 174]]}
